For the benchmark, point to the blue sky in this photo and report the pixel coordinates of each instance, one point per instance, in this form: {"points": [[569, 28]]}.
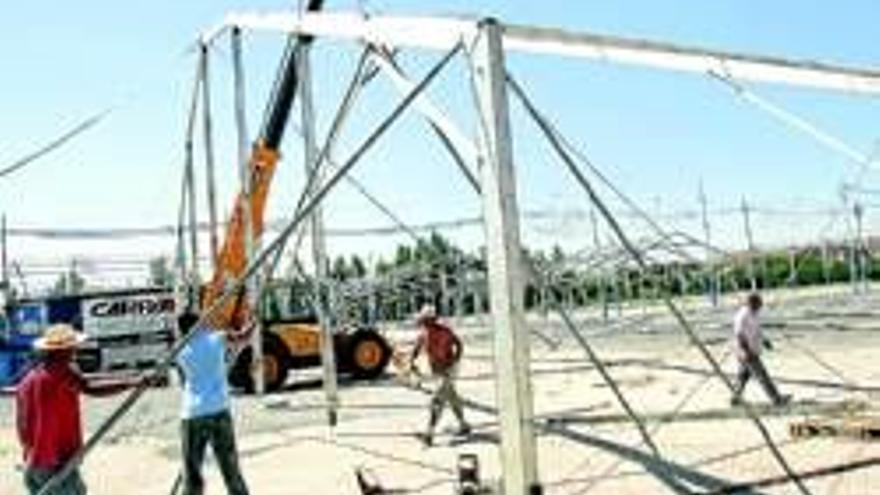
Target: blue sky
{"points": [[656, 134]]}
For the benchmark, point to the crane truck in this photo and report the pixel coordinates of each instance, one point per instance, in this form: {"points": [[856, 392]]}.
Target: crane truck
{"points": [[291, 342]]}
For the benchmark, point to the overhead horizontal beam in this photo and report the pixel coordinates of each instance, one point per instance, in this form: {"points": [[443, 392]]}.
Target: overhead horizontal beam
{"points": [[669, 56], [440, 33], [435, 33]]}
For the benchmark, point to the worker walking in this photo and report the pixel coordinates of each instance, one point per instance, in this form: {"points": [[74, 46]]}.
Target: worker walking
{"points": [[48, 418], [444, 350], [748, 342], [205, 412]]}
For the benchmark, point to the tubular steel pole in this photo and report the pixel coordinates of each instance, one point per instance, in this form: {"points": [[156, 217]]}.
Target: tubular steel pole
{"points": [[189, 170], [710, 262], [506, 277], [316, 226], [859, 212], [207, 128], [250, 244]]}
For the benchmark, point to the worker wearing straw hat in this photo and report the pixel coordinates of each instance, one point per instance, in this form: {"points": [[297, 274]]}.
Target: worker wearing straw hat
{"points": [[48, 410], [444, 350]]}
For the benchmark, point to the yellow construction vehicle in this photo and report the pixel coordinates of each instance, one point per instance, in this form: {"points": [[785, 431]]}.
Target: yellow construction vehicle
{"points": [[288, 343]]}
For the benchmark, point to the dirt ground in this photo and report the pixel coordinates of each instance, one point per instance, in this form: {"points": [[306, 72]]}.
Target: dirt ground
{"points": [[826, 355]]}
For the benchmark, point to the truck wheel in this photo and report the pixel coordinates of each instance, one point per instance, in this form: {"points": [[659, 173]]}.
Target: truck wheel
{"points": [[275, 366], [368, 354]]}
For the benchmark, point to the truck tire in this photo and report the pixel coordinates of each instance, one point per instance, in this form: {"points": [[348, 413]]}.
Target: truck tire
{"points": [[368, 354], [275, 366]]}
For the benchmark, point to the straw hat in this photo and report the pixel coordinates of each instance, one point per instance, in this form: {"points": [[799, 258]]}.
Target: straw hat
{"points": [[427, 313], [59, 337]]}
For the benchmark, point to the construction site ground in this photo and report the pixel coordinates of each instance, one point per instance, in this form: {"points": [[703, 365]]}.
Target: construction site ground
{"points": [[826, 356]]}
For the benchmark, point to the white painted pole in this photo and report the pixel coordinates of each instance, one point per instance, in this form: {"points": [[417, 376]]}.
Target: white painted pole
{"points": [[859, 212], [316, 227], [710, 262], [194, 279], [251, 286], [506, 271], [207, 129]]}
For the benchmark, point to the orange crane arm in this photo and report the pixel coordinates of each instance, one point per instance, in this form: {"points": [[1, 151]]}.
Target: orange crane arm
{"points": [[231, 261]]}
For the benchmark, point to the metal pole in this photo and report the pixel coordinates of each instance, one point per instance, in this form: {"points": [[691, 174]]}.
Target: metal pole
{"points": [[316, 227], [853, 268], [710, 262], [207, 128], [506, 274], [826, 269], [750, 245], [597, 244], [859, 212], [251, 285], [181, 297], [189, 170]]}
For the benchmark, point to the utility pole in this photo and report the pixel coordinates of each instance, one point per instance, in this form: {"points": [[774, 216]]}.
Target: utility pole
{"points": [[859, 248], [750, 244], [316, 229], [712, 282], [506, 269], [251, 284], [826, 269]]}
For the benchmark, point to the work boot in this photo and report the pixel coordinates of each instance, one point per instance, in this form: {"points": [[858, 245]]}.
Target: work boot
{"points": [[464, 430], [427, 438], [736, 401]]}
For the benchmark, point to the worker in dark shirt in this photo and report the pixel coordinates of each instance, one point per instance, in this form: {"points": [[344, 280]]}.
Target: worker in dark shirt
{"points": [[444, 350], [48, 410]]}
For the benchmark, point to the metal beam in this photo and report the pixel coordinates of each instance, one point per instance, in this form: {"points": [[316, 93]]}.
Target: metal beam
{"points": [[504, 260], [250, 242], [189, 171], [207, 129], [316, 228], [462, 147], [443, 32], [671, 56]]}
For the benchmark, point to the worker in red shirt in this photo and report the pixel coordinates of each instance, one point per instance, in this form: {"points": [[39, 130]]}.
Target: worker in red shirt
{"points": [[48, 410], [444, 351]]}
